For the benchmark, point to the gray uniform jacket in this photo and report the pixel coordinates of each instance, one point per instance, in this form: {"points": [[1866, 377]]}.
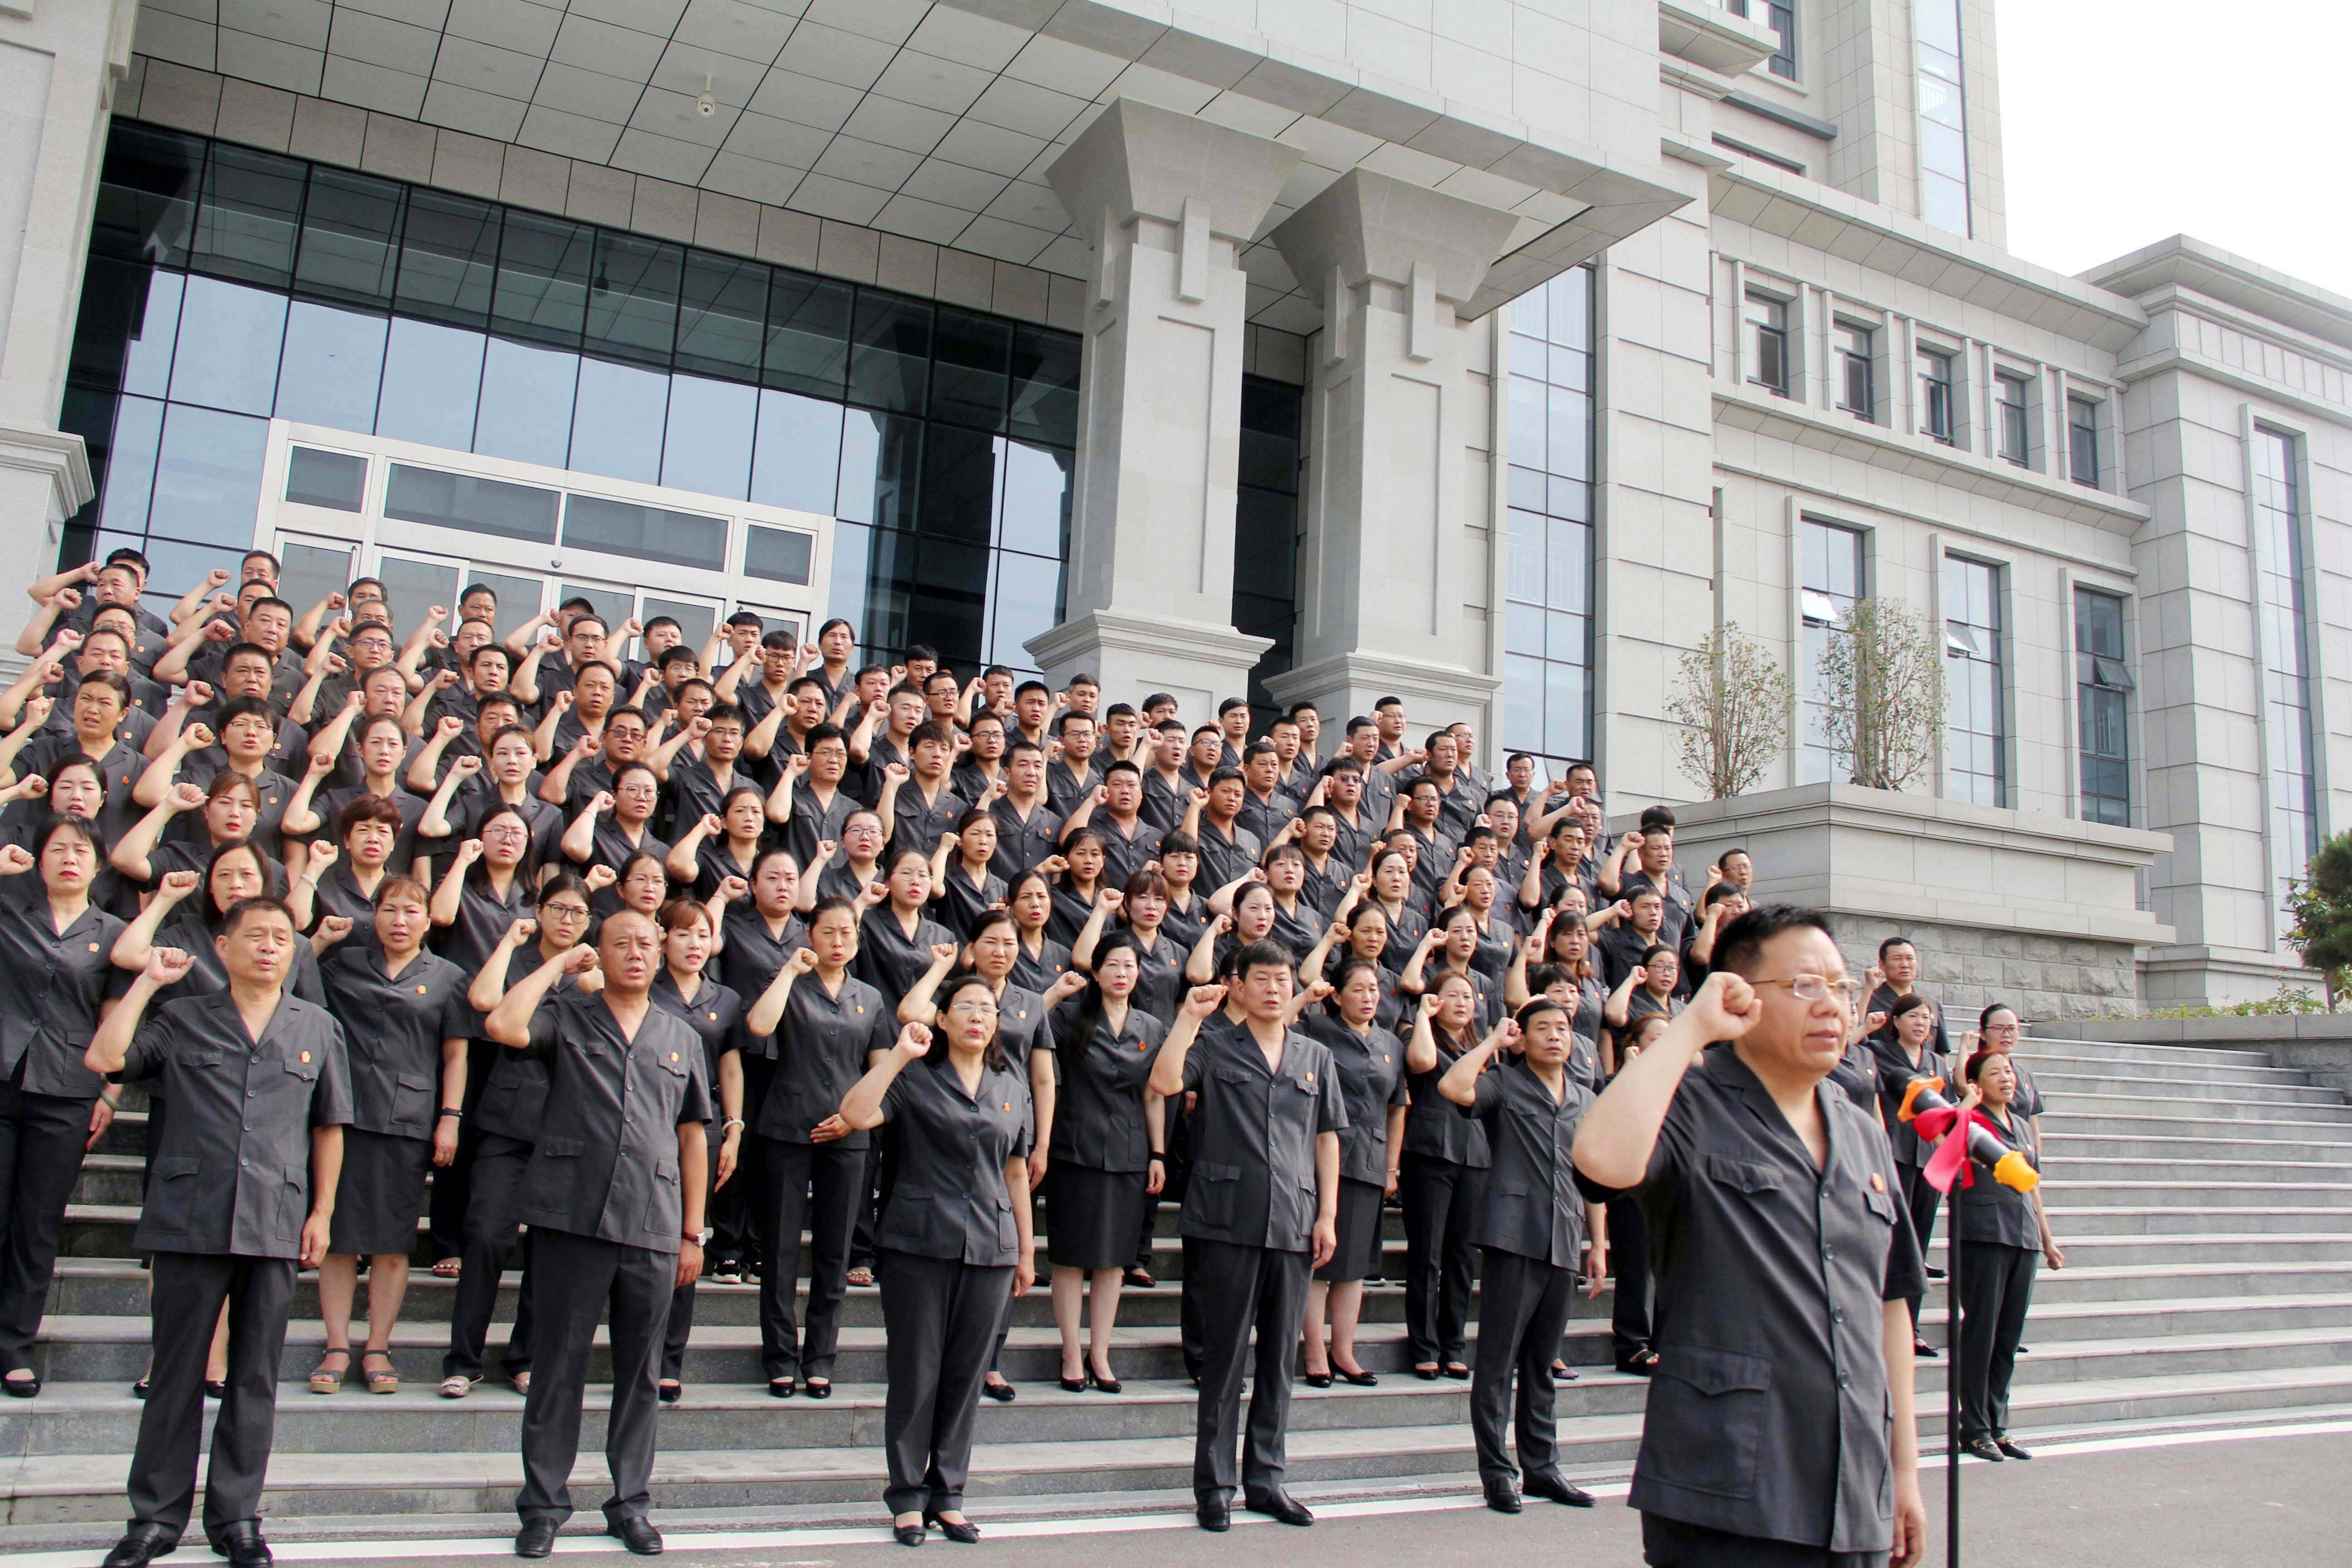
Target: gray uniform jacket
{"points": [[1372, 1078], [951, 1200], [1531, 1207], [605, 1165], [1099, 1120], [1769, 1414], [1253, 1134], [52, 984], [233, 1176], [392, 1030], [822, 1045]]}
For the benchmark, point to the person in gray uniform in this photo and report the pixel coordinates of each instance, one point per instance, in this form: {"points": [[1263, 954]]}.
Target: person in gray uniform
{"points": [[2005, 1235], [1531, 1223], [1779, 1429], [955, 1242], [260, 1091], [614, 1197], [1260, 1211]]}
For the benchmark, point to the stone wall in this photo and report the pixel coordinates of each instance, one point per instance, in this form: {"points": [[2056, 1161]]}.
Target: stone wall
{"points": [[1967, 968]]}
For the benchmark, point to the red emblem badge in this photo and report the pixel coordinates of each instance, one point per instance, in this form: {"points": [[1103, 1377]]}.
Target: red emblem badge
{"points": [[1877, 1182], [306, 1055]]}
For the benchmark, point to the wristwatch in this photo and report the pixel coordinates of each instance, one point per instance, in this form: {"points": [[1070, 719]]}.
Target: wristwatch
{"points": [[701, 1238]]}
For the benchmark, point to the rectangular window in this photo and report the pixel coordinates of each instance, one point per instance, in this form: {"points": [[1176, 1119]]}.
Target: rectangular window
{"points": [[2009, 400], [1857, 377], [1831, 581], [1975, 749], [647, 532], [2286, 670], [2102, 678], [1936, 394], [1767, 342], [1782, 19], [1943, 116], [1548, 631], [2083, 441], [469, 503], [337, 481]]}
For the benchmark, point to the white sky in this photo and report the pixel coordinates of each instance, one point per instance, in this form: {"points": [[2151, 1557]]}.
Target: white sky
{"points": [[2125, 122]]}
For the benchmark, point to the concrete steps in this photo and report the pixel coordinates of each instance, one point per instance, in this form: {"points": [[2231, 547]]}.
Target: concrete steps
{"points": [[2204, 1197]]}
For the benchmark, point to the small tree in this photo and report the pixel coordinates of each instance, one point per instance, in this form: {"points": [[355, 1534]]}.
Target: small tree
{"points": [[2320, 902], [1881, 680], [1734, 704]]}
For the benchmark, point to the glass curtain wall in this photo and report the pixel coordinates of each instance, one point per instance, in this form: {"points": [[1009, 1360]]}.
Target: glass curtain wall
{"points": [[228, 286], [1548, 630]]}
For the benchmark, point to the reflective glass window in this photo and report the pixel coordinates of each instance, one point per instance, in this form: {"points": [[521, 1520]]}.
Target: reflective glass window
{"points": [[779, 554], [337, 481], [633, 298], [412, 586], [543, 281], [1045, 405], [448, 254], [616, 426], [647, 532], [613, 606], [147, 194], [245, 227], [527, 403], [708, 447], [308, 572], [721, 314], [1033, 508], [807, 335], [948, 606], [958, 484], [881, 455], [229, 338], [470, 503], [208, 477], [695, 618], [147, 363], [332, 367], [889, 358], [519, 597], [351, 233], [973, 367], [431, 376], [130, 465], [1027, 602], [797, 453]]}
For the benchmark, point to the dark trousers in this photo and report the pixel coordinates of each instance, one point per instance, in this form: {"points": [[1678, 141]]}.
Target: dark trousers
{"points": [[1238, 1289], [1523, 1307], [493, 1211], [41, 1139], [1996, 1287], [1629, 1262], [736, 1208], [1440, 1204], [819, 1186], [681, 1300], [1922, 1201], [940, 1318], [873, 1192], [1671, 1544], [187, 1292], [446, 1205], [578, 1275]]}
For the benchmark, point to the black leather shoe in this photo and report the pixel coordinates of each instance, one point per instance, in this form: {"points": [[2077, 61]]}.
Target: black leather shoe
{"points": [[1358, 1378], [962, 1531], [21, 1387], [2012, 1449], [1214, 1513], [242, 1544], [1003, 1393], [1317, 1379], [1924, 1351], [669, 1393], [1281, 1507], [637, 1534], [818, 1388], [1554, 1486], [1982, 1448], [907, 1534], [1457, 1371], [536, 1538], [1502, 1496], [216, 1388], [1934, 1272], [142, 1544]]}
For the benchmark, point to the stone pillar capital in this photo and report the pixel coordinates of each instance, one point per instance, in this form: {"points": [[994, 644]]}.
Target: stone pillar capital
{"points": [[1373, 227], [1141, 161]]}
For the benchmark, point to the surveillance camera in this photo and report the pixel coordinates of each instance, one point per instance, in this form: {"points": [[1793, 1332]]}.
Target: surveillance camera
{"points": [[706, 106]]}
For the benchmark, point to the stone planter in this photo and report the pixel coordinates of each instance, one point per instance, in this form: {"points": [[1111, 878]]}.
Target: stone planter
{"points": [[2038, 912]]}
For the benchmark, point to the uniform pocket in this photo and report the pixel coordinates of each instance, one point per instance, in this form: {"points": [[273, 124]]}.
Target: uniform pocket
{"points": [[1751, 1176], [1880, 1204], [665, 1208], [1217, 1192], [412, 1103], [1706, 1410], [171, 1193], [562, 1148]]}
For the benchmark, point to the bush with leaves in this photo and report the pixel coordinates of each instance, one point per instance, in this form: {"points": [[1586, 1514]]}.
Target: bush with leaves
{"points": [[1882, 681], [2320, 904], [1733, 702]]}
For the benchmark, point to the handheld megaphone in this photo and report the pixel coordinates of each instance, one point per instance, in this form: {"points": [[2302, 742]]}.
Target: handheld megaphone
{"points": [[1932, 1115]]}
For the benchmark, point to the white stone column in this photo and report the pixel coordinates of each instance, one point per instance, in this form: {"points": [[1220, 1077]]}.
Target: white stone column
{"points": [[60, 61], [1168, 202], [1392, 406]]}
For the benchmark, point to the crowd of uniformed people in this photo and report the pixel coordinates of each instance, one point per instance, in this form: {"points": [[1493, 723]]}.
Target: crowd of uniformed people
{"points": [[628, 964]]}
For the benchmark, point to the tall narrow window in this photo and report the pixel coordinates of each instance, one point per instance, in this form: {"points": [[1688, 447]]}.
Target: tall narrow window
{"points": [[2101, 676], [1832, 580], [1767, 342], [1857, 380], [2009, 396], [1548, 687], [2083, 441], [2286, 677], [1943, 117], [1936, 394], [1975, 755]]}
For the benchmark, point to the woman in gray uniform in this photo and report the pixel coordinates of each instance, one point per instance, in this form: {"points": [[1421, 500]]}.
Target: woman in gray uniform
{"points": [[715, 1014], [1108, 1154], [1370, 1061], [955, 1241], [1444, 1175], [2004, 1234]]}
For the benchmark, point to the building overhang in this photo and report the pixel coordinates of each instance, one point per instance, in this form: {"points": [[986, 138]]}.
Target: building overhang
{"points": [[2260, 291]]}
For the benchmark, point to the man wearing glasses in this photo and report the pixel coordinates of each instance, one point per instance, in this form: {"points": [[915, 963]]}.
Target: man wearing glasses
{"points": [[1779, 1427]]}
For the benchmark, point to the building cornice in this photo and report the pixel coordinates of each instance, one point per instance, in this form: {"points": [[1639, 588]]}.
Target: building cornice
{"points": [[2210, 369], [2259, 290], [1884, 240]]}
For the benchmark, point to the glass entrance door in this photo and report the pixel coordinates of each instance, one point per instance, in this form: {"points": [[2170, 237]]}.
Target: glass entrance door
{"points": [[431, 522]]}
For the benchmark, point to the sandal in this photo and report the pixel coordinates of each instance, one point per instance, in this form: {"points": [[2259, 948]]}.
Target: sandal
{"points": [[458, 1387], [449, 1267], [861, 1275], [325, 1379], [521, 1381], [385, 1382]]}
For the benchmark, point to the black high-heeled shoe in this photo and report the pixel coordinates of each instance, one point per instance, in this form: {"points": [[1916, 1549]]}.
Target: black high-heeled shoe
{"points": [[216, 1388], [1457, 1371], [818, 1388], [907, 1534], [1426, 1373], [1102, 1385], [1359, 1378], [1003, 1393], [962, 1531], [1074, 1384], [1316, 1379], [781, 1388]]}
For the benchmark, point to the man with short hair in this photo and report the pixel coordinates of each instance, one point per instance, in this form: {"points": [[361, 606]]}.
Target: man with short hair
{"points": [[1229, 851], [1259, 1213], [1388, 718], [1233, 726], [1073, 772], [921, 808], [1780, 1426], [1032, 705], [1113, 808], [1266, 808], [1165, 787], [1028, 828]]}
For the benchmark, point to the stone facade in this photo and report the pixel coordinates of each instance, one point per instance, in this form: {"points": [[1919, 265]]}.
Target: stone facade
{"points": [[1966, 968]]}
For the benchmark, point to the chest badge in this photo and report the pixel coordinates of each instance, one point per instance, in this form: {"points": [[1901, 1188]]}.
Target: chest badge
{"points": [[306, 1058], [93, 947], [673, 1056], [1310, 1080], [861, 1010], [714, 1018], [1008, 1107], [420, 991], [1877, 1182]]}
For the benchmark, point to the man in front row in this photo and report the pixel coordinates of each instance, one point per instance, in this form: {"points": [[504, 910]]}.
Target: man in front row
{"points": [[1264, 1197], [614, 1197], [260, 1091], [1779, 1430]]}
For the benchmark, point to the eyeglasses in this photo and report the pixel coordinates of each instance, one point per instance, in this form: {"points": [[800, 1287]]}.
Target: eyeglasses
{"points": [[564, 911], [1817, 988], [974, 1009]]}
